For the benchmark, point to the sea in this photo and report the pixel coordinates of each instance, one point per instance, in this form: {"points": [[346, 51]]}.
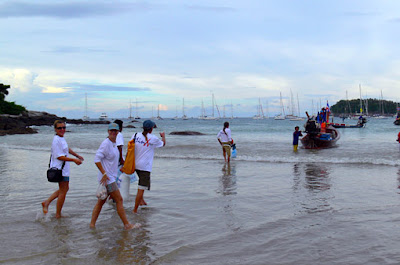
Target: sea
{"points": [[269, 205]]}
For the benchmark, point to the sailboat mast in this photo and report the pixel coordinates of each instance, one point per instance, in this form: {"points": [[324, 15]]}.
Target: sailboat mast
{"points": [[86, 105], [361, 107]]}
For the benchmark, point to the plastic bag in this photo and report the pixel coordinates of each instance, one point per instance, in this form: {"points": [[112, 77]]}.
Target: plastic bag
{"points": [[234, 152], [101, 192]]}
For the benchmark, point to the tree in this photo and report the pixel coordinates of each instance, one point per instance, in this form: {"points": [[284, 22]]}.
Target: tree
{"points": [[3, 91], [8, 107]]}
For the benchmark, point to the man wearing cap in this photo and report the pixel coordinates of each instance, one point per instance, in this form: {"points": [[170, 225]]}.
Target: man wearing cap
{"points": [[145, 144]]}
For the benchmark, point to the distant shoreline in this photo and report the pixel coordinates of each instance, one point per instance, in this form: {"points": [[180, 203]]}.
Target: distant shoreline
{"points": [[20, 124]]}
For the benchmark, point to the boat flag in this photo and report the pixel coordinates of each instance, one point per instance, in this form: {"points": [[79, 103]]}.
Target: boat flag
{"points": [[327, 107]]}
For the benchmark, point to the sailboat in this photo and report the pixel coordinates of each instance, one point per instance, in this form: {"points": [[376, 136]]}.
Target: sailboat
{"points": [[130, 109], [297, 118], [86, 117], [260, 112], [136, 109], [184, 117], [382, 116], [158, 113], [204, 116], [281, 116]]}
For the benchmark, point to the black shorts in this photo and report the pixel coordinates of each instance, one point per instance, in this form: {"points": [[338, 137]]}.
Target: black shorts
{"points": [[144, 179]]}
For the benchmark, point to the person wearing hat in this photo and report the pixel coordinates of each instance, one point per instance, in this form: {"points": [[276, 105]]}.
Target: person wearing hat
{"points": [[106, 160], [145, 144], [120, 141]]}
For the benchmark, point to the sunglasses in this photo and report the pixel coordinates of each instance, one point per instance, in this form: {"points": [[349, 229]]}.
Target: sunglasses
{"points": [[61, 128]]}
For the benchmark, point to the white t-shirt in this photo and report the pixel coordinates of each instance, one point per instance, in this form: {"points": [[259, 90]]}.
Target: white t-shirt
{"points": [[144, 150], [120, 139], [225, 136], [108, 155], [59, 147]]}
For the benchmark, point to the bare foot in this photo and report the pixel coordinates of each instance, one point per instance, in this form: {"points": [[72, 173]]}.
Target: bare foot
{"points": [[142, 202], [129, 226], [58, 216], [92, 226], [45, 208]]}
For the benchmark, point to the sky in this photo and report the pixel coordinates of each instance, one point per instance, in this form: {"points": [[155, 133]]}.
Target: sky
{"points": [[148, 57]]}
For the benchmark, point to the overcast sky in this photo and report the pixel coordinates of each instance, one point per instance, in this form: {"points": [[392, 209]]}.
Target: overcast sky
{"points": [[157, 53]]}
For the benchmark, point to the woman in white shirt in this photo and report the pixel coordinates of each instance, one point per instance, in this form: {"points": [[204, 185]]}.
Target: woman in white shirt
{"points": [[60, 160], [225, 140], [145, 144], [106, 160]]}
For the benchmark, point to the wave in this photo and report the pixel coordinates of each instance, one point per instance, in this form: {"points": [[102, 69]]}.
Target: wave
{"points": [[258, 158]]}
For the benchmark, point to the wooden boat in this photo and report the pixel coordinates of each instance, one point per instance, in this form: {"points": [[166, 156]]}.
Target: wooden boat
{"points": [[317, 137], [318, 140], [342, 125]]}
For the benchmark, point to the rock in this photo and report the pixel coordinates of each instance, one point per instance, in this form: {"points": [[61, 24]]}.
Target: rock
{"points": [[19, 124], [186, 133], [129, 126]]}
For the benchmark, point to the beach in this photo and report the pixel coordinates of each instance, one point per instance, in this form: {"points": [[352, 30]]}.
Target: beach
{"points": [[269, 206]]}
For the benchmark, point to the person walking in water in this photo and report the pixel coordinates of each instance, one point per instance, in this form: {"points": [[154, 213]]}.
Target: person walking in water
{"points": [[296, 135], [106, 160], [225, 140], [60, 160], [145, 144]]}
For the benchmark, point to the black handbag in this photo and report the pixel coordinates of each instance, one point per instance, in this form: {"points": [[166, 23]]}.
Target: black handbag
{"points": [[54, 174]]}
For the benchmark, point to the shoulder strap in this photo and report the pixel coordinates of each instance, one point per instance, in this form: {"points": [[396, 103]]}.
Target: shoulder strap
{"points": [[62, 164]]}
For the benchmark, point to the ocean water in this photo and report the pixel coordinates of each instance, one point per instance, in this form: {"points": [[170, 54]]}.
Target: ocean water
{"points": [[268, 206]]}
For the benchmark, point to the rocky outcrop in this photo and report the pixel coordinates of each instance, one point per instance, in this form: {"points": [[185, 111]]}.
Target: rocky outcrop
{"points": [[186, 133], [20, 124]]}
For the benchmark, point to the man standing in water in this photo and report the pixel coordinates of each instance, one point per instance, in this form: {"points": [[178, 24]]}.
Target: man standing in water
{"points": [[145, 144], [296, 135]]}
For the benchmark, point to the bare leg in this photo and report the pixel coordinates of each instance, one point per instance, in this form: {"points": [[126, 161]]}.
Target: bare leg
{"points": [[96, 211], [63, 189], [138, 200], [47, 202], [116, 196]]}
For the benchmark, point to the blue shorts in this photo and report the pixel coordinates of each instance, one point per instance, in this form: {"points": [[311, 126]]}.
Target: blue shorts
{"points": [[65, 179]]}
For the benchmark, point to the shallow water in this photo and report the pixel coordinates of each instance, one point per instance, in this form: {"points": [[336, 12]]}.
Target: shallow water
{"points": [[270, 206]]}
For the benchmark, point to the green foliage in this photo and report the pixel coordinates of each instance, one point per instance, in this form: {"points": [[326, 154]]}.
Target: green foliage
{"points": [[8, 107], [3, 91], [375, 106]]}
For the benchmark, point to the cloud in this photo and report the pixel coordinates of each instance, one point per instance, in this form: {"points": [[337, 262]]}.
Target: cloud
{"points": [[73, 9], [108, 88]]}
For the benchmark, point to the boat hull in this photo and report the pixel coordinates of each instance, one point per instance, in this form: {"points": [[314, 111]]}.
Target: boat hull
{"points": [[315, 140], [337, 125]]}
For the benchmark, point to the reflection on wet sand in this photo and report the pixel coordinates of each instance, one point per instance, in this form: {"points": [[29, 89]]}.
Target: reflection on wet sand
{"points": [[311, 193], [227, 189], [228, 180]]}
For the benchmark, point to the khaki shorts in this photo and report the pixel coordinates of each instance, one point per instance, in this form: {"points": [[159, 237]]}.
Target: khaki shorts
{"points": [[227, 147]]}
